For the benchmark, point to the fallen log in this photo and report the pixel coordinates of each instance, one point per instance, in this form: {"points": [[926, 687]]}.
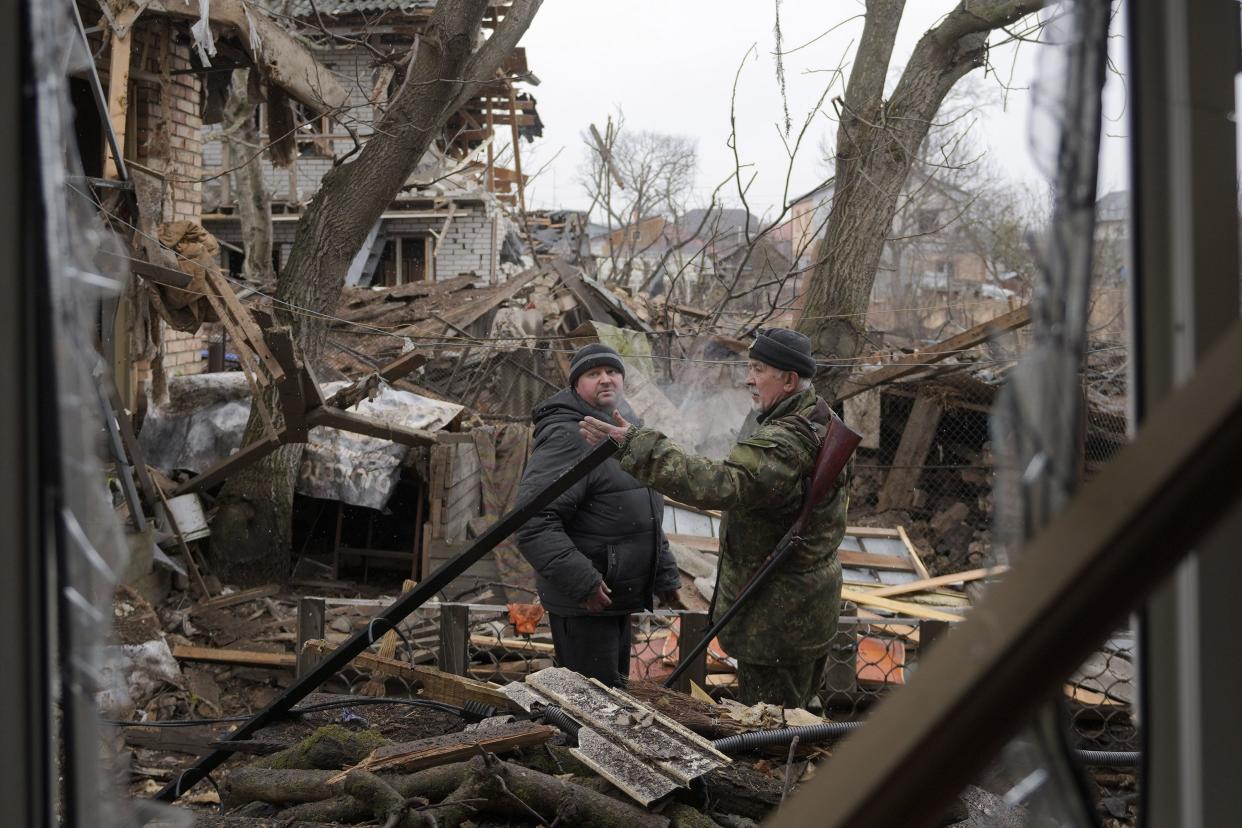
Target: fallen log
{"points": [[330, 747], [482, 786]]}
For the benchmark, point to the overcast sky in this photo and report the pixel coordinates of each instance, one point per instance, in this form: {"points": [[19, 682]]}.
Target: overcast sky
{"points": [[670, 65]]}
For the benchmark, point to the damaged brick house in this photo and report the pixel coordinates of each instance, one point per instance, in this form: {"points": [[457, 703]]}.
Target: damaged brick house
{"points": [[155, 76], [140, 94], [455, 214]]}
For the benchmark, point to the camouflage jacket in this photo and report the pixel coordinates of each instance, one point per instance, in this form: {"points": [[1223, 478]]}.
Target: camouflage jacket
{"points": [[793, 617]]}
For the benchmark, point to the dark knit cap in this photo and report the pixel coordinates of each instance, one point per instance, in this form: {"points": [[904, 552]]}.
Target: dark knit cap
{"points": [[784, 349], [593, 356]]}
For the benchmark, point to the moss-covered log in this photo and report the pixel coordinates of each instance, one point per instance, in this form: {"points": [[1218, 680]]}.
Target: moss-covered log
{"points": [[681, 815], [331, 747]]}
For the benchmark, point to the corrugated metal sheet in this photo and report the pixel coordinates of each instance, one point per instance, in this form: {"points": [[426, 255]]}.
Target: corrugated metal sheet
{"points": [[645, 754], [303, 8]]}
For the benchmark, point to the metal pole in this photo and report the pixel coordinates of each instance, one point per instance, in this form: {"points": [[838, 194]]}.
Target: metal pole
{"points": [[392, 616]]}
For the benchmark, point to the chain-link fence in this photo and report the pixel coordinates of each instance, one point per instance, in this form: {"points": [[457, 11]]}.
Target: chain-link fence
{"points": [[869, 657]]}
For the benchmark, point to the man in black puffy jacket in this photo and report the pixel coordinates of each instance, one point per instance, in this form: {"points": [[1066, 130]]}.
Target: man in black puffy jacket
{"points": [[598, 551]]}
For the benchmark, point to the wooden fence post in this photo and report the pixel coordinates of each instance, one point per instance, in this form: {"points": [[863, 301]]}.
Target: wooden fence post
{"points": [[454, 655], [311, 613], [693, 626]]}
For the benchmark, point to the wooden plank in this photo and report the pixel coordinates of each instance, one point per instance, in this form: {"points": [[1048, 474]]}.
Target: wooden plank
{"points": [[388, 649], [402, 365], [369, 426], [430, 682], [919, 567], [311, 612], [916, 440], [454, 653], [192, 740], [159, 274], [944, 349], [233, 598], [452, 747], [938, 581], [872, 532], [847, 557], [903, 607], [242, 658], [465, 463], [190, 563], [118, 98], [463, 490], [866, 560], [439, 462], [254, 334], [230, 465], [521, 645]]}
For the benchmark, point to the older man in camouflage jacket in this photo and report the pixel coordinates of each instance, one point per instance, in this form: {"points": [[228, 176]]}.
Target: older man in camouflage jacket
{"points": [[782, 636]]}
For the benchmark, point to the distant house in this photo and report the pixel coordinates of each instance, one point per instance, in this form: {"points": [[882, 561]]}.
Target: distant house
{"points": [[439, 226], [931, 276]]}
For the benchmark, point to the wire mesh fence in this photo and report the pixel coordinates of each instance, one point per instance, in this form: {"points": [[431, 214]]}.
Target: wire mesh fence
{"points": [[868, 659]]}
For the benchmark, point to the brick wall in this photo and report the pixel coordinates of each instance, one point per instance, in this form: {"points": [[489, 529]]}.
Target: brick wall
{"points": [[165, 133], [468, 246]]}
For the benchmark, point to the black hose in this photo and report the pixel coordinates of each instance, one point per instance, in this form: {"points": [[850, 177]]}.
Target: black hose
{"points": [[1109, 758], [783, 736], [555, 716], [755, 739]]}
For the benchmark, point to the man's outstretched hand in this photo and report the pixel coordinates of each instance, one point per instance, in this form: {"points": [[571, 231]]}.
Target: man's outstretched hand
{"points": [[596, 431]]}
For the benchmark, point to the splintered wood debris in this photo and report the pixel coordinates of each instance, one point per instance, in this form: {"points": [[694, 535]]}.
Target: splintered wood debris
{"points": [[645, 754]]}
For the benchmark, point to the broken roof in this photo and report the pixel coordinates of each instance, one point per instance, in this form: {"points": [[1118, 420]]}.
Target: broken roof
{"points": [[305, 8], [206, 419]]}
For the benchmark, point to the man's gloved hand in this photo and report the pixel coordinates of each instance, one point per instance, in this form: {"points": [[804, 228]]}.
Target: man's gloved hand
{"points": [[670, 599], [598, 601]]}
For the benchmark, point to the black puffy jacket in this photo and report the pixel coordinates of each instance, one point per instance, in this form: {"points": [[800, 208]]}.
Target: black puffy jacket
{"points": [[606, 527]]}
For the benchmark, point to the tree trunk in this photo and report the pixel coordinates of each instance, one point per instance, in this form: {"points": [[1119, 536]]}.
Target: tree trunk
{"points": [[251, 536], [877, 143]]}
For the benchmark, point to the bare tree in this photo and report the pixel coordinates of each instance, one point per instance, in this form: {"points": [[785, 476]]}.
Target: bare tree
{"points": [[878, 141], [641, 183], [444, 69]]}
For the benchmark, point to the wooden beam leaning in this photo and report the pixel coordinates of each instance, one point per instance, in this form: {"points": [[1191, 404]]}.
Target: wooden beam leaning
{"points": [[1121, 535], [916, 441], [358, 424], [251, 333], [389, 618], [903, 366]]}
